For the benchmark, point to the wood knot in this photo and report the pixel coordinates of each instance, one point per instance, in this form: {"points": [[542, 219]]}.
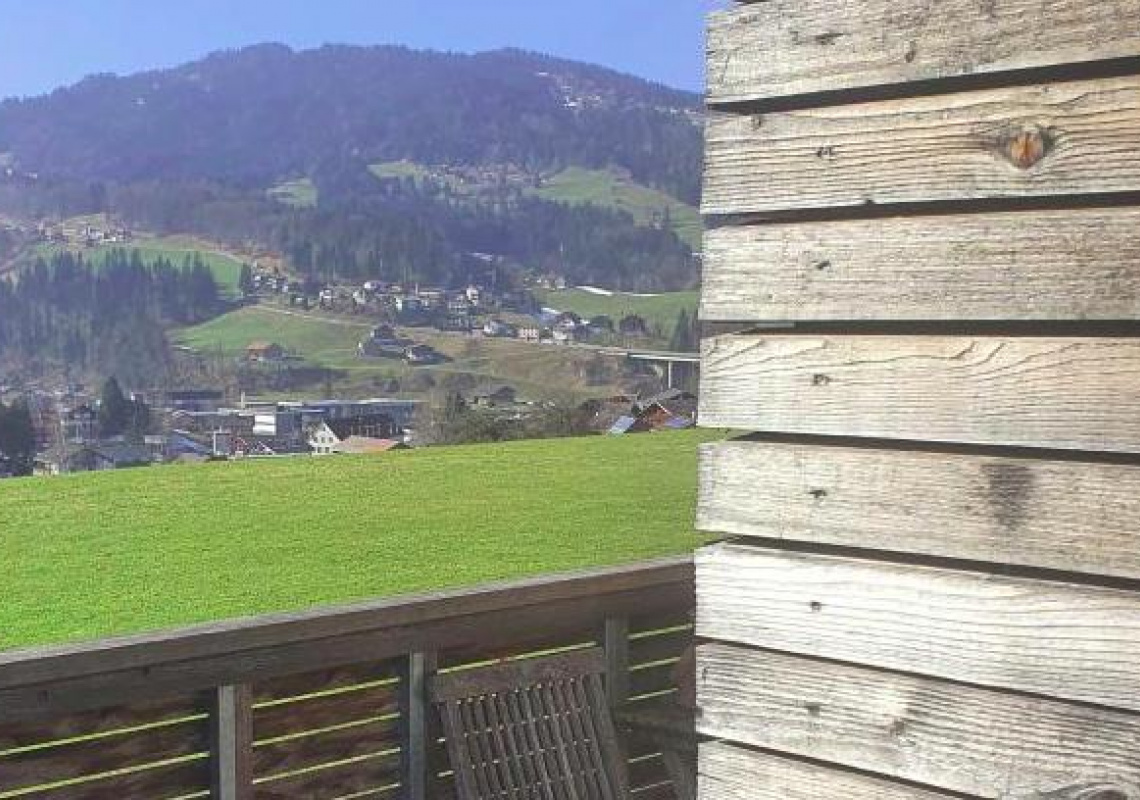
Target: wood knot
{"points": [[818, 494], [828, 152], [829, 38], [821, 380], [822, 266], [1026, 147], [815, 606]]}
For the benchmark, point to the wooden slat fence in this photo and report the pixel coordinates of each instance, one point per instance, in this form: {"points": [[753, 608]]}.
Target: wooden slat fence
{"points": [[925, 227], [326, 704]]}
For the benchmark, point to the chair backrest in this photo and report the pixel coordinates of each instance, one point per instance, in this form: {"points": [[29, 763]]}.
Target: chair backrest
{"points": [[538, 729]]}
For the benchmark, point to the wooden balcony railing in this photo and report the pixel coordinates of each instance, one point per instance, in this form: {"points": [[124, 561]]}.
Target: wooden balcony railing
{"points": [[322, 704]]}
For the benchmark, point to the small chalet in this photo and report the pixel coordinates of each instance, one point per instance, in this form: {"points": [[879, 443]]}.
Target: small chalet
{"points": [[495, 397], [326, 436], [265, 352], [498, 329]]}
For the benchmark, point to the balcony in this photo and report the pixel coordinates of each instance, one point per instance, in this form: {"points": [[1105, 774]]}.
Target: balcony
{"points": [[332, 703]]}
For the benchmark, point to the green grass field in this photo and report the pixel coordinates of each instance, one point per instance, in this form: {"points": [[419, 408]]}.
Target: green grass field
{"points": [[604, 188], [101, 554], [539, 372], [300, 193], [226, 268], [321, 342], [661, 310], [576, 186]]}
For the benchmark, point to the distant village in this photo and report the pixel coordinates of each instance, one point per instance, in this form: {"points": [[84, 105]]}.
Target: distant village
{"points": [[473, 310], [197, 426]]}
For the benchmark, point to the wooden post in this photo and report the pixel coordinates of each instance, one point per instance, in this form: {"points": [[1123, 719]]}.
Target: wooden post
{"points": [[419, 732], [231, 726], [616, 643]]}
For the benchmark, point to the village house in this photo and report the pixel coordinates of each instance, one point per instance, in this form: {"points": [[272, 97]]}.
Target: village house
{"points": [[327, 435], [494, 397], [194, 400], [498, 329], [533, 333], [265, 352], [79, 425]]}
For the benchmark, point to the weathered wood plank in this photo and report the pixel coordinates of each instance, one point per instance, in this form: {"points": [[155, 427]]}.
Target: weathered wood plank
{"points": [[1076, 516], [102, 722], [782, 47], [976, 741], [310, 751], [90, 757], [660, 647], [1063, 640], [734, 773], [1028, 142], [1043, 265], [352, 778], [325, 681], [650, 680], [180, 779], [327, 711], [1035, 392]]}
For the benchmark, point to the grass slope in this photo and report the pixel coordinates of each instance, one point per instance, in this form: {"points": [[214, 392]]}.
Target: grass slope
{"points": [[226, 268], [319, 341], [300, 193], [540, 372], [576, 185], [660, 310], [111, 553]]}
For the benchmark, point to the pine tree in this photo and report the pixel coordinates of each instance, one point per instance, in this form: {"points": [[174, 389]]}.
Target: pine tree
{"points": [[115, 409], [17, 439], [245, 280]]}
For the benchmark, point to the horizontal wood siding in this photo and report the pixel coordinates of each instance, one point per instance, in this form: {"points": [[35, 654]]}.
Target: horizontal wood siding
{"points": [[1026, 142], [1034, 392], [1079, 264], [949, 736], [1061, 515], [1050, 638], [925, 223], [780, 48], [730, 772]]}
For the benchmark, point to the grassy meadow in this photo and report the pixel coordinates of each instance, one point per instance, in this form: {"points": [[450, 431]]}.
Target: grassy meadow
{"points": [[226, 268], [576, 185], [100, 554], [539, 372]]}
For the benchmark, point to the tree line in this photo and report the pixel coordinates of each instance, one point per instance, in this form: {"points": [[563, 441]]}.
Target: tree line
{"points": [[108, 318]]}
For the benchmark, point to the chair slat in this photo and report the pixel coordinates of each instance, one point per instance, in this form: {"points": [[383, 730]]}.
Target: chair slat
{"points": [[532, 730]]}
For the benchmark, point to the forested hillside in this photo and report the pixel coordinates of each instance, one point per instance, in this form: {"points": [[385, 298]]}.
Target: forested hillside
{"points": [[109, 320], [205, 148]]}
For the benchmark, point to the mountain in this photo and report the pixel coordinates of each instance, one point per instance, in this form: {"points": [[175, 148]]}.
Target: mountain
{"points": [[268, 113], [379, 162]]}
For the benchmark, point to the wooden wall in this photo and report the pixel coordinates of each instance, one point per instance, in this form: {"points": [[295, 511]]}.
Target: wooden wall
{"points": [[931, 587]]}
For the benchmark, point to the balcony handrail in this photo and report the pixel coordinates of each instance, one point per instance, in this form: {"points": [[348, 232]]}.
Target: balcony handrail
{"points": [[142, 652], [281, 701]]}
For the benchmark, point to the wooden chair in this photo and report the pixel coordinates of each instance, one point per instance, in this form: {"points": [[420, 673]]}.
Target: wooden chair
{"points": [[538, 729]]}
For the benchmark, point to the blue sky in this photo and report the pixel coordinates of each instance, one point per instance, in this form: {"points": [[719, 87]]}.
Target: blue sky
{"points": [[49, 43]]}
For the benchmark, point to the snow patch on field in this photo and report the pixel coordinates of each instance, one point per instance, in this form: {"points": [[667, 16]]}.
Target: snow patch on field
{"points": [[608, 293]]}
